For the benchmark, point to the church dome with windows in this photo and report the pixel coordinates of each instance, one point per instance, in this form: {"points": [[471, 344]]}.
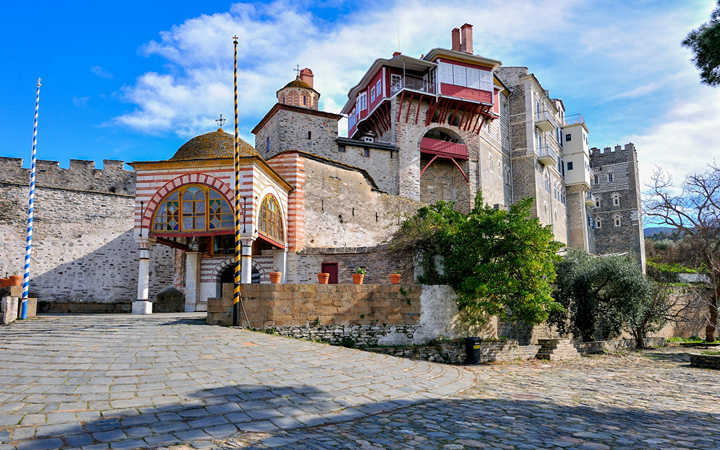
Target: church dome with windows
{"points": [[213, 145]]}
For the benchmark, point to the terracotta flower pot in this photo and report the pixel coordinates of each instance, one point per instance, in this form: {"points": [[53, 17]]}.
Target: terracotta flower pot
{"points": [[275, 277], [358, 278], [395, 278], [15, 280], [323, 277]]}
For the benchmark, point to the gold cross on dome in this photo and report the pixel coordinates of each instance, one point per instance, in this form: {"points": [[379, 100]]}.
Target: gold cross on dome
{"points": [[220, 120]]}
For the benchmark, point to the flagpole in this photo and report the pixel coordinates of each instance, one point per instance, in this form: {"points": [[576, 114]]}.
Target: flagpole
{"points": [[238, 242], [31, 210]]}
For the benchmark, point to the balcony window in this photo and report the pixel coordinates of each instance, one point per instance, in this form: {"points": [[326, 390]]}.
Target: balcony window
{"points": [[378, 88], [569, 165], [372, 94]]}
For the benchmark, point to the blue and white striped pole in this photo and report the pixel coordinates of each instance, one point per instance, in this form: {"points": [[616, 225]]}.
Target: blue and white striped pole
{"points": [[31, 202]]}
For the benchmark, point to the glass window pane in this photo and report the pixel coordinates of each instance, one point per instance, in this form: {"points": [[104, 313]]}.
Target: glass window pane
{"points": [[459, 75]]}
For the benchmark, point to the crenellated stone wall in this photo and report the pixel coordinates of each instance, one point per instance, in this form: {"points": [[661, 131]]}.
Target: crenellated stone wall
{"points": [[84, 250]]}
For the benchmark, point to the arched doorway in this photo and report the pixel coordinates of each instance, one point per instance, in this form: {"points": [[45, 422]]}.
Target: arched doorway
{"points": [[226, 275], [444, 168]]}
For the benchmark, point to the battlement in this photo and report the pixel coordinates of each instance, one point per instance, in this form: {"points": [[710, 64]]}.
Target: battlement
{"points": [[594, 151], [80, 176]]}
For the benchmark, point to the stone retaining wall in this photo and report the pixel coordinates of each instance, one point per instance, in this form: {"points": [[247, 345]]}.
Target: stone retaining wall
{"points": [[366, 315], [453, 352], [616, 345]]}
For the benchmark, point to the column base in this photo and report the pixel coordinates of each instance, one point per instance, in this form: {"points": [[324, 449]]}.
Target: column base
{"points": [[142, 307]]}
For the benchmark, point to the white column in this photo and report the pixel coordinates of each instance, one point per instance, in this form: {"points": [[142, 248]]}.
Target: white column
{"points": [[246, 259], [142, 305], [192, 276], [280, 263]]}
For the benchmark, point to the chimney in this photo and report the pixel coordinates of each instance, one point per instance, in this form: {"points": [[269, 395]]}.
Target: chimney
{"points": [[456, 39], [466, 44], [396, 54], [306, 76]]}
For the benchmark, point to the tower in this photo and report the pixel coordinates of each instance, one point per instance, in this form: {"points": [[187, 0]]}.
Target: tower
{"points": [[300, 91]]}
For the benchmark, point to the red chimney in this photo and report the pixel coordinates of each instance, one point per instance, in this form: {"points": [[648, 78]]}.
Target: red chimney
{"points": [[456, 39], [396, 54], [466, 44], [306, 76]]}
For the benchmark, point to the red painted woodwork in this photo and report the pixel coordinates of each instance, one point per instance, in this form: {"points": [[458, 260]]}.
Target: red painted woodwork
{"points": [[465, 92], [444, 148], [270, 240], [332, 269]]}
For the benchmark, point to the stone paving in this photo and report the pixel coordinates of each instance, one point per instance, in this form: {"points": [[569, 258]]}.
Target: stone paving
{"points": [[651, 399], [121, 381], [170, 381]]}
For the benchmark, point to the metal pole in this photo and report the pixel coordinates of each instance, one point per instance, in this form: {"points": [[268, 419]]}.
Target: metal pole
{"points": [[238, 243], [31, 203]]}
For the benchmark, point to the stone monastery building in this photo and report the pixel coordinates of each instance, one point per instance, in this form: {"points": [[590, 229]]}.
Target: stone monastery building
{"points": [[444, 126]]}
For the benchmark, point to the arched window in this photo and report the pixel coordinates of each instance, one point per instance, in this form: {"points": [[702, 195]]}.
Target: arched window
{"points": [[192, 209], [270, 219]]}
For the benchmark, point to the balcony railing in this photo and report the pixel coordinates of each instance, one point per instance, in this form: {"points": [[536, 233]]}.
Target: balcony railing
{"points": [[573, 119], [547, 155], [545, 121], [410, 82]]}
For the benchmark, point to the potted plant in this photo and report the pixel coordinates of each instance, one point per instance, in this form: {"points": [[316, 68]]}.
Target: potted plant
{"points": [[395, 278], [275, 277], [359, 275], [15, 280], [323, 277]]}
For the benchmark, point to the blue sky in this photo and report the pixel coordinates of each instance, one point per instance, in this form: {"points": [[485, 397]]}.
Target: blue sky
{"points": [[134, 80]]}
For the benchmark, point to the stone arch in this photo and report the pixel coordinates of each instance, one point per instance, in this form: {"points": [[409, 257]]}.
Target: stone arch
{"points": [[188, 178], [444, 168], [223, 265]]}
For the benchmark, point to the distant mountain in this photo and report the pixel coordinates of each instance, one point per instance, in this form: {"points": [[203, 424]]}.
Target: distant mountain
{"points": [[658, 232]]}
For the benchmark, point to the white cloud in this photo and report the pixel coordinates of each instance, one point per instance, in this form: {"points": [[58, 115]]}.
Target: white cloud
{"points": [[623, 63], [101, 72], [685, 140]]}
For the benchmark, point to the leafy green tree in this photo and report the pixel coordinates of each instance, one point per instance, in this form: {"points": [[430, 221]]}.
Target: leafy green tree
{"points": [[499, 262], [648, 314], [603, 296], [705, 43]]}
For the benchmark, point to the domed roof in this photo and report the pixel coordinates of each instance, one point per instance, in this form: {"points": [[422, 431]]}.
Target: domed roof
{"points": [[216, 144]]}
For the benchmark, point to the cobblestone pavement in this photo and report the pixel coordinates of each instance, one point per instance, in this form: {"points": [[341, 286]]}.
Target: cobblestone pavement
{"points": [[122, 381], [651, 399]]}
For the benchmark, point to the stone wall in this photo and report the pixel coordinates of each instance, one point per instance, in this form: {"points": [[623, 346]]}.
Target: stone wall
{"points": [[343, 210], [366, 315], [622, 163], [304, 266], [453, 352], [288, 129], [84, 250]]}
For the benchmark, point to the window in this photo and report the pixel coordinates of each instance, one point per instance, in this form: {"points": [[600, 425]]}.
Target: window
{"points": [[269, 220], [568, 137], [598, 222], [378, 89], [366, 152], [283, 99], [569, 165], [617, 220], [395, 83], [610, 177], [362, 102], [304, 99], [352, 119], [191, 209], [341, 148], [616, 200], [372, 94], [267, 143], [596, 179], [309, 134], [597, 203], [465, 76]]}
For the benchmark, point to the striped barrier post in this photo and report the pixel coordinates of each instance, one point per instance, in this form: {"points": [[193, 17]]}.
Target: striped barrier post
{"points": [[31, 202], [238, 243]]}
